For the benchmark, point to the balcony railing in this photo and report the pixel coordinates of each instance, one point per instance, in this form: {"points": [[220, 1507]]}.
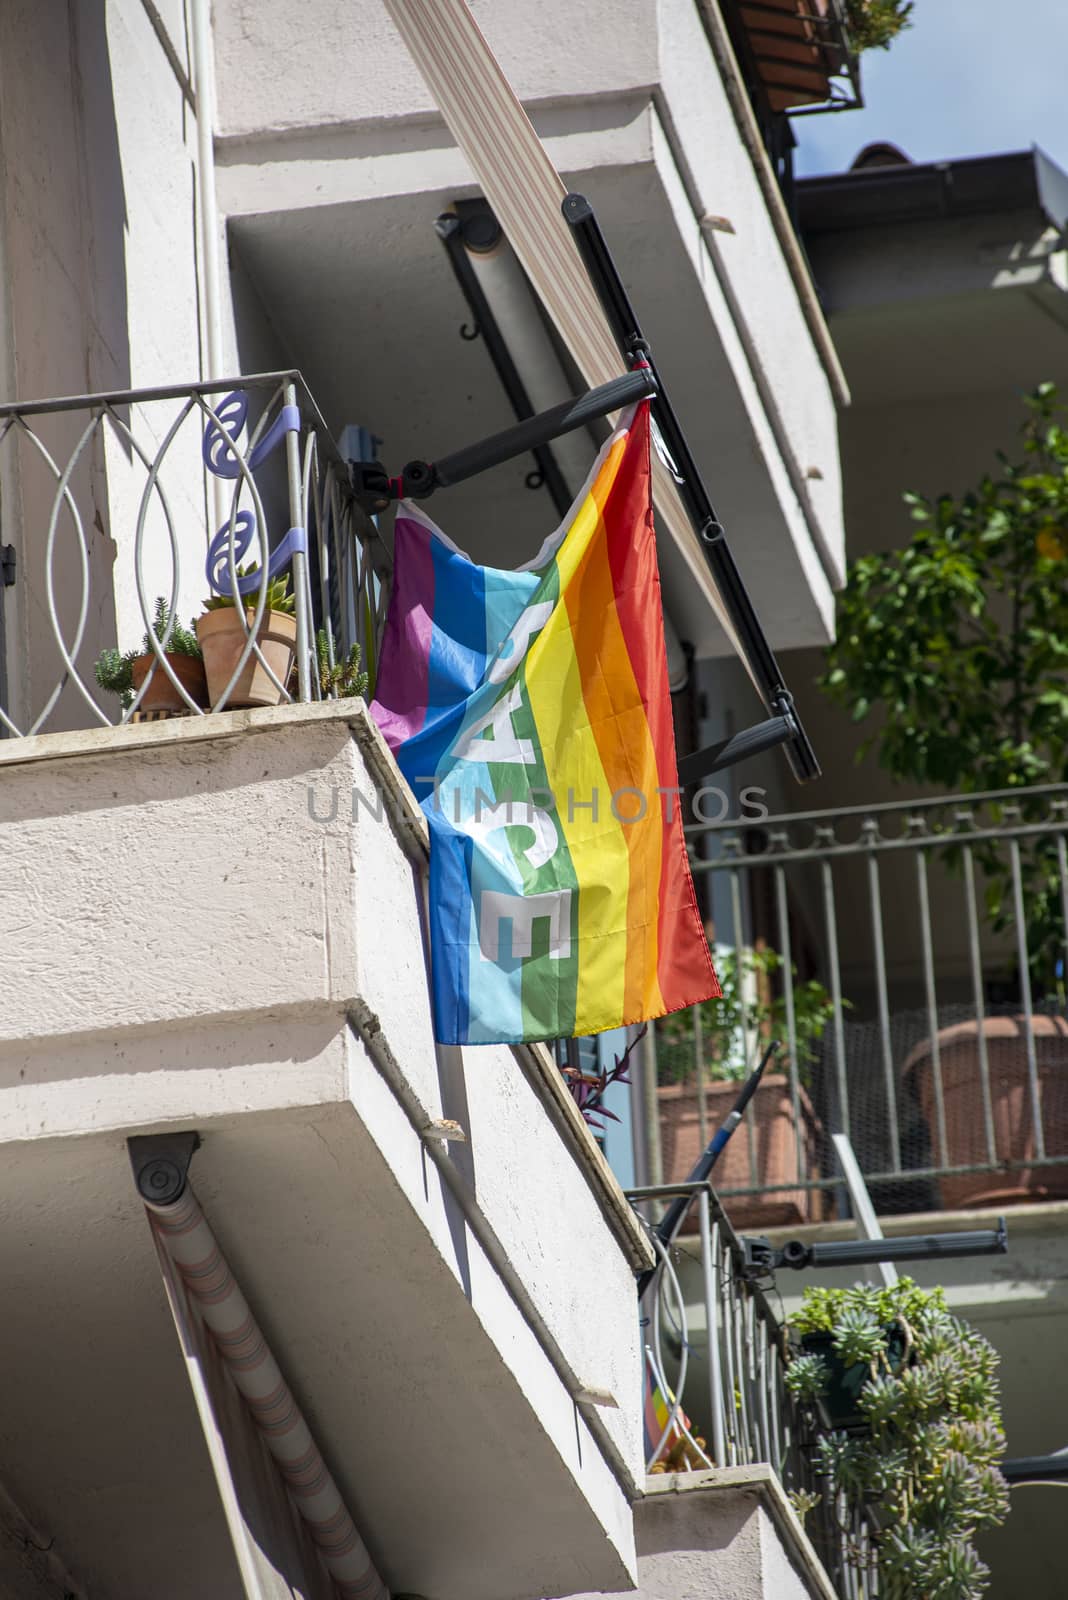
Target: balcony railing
{"points": [[114, 501], [726, 1402], [936, 932]]}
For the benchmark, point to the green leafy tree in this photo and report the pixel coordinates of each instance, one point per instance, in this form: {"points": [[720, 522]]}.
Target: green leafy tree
{"points": [[958, 642], [874, 24]]}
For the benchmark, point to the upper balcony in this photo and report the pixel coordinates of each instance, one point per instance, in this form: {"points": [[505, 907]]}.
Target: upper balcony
{"points": [[330, 177], [212, 922]]}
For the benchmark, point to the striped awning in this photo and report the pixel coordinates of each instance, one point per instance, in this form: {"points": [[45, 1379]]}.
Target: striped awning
{"points": [[488, 122]]}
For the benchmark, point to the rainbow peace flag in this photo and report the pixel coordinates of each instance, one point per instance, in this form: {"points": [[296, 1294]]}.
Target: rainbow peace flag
{"points": [[530, 713]]}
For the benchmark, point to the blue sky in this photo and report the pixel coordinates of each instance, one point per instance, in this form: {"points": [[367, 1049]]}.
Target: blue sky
{"points": [[970, 77]]}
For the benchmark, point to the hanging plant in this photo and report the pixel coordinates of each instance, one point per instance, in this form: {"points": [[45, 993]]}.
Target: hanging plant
{"points": [[916, 1393]]}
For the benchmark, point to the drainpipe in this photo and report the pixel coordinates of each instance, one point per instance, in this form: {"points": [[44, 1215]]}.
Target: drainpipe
{"points": [[211, 279]]}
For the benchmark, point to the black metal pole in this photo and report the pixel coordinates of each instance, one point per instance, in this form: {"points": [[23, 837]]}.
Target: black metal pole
{"points": [[421, 478], [706, 524], [671, 1221]]}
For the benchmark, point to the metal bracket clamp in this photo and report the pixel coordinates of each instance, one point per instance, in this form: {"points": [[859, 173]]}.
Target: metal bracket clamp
{"points": [[374, 488], [7, 565], [160, 1163], [760, 1257]]}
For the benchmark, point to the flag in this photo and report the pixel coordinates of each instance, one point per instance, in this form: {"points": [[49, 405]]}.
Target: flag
{"points": [[531, 714]]}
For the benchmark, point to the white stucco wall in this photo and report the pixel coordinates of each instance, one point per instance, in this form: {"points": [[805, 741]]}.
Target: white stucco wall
{"points": [[191, 945], [325, 65]]}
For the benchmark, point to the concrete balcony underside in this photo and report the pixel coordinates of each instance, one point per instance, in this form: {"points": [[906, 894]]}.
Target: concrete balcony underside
{"points": [[187, 947]]}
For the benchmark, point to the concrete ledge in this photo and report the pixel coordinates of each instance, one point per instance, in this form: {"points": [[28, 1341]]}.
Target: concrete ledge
{"points": [[726, 1534], [760, 1482]]}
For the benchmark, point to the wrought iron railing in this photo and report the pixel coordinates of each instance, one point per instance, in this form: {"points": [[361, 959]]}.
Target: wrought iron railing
{"points": [[113, 501], [938, 931], [724, 1399]]}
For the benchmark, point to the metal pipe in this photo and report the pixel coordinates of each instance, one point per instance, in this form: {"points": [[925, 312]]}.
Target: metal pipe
{"points": [[299, 558], [1025, 991], [911, 1247], [709, 1243], [976, 963], [781, 221], [204, 83]]}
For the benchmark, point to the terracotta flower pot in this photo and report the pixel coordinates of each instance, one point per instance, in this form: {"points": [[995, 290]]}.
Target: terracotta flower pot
{"points": [[161, 695], [775, 1149], [222, 640], [1010, 1104]]}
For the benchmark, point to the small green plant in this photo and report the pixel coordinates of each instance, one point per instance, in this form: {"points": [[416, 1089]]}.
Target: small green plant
{"points": [[342, 678], [875, 24], [743, 1007], [278, 595], [114, 668], [923, 1451]]}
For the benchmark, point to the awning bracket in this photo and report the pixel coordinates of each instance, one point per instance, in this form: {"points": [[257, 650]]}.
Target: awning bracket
{"points": [[375, 489], [784, 726]]}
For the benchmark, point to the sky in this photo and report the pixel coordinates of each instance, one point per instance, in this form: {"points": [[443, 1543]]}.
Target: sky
{"points": [[969, 78]]}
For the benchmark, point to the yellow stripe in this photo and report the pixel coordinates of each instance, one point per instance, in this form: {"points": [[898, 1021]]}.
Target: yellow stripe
{"points": [[598, 848]]}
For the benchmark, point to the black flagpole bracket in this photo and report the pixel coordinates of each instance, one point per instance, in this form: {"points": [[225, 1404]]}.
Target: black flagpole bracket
{"points": [[783, 726], [375, 489]]}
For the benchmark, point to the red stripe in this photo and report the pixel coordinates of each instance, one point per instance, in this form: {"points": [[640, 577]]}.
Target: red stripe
{"points": [[684, 966]]}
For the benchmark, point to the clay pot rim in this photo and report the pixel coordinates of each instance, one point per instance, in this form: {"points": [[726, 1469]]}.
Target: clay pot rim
{"points": [[271, 620]]}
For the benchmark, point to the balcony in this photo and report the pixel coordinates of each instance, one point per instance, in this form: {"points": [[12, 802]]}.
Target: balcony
{"points": [[212, 922], [942, 1032], [732, 1456], [940, 1048]]}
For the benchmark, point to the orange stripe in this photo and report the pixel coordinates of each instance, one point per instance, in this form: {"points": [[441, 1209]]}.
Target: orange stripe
{"points": [[621, 730]]}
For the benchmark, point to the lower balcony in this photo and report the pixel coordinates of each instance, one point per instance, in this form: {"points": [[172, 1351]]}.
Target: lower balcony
{"points": [[213, 925]]}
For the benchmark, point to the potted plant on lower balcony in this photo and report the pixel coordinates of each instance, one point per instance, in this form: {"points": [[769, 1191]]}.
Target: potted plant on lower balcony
{"points": [[124, 674], [773, 1147], [903, 1401], [223, 640]]}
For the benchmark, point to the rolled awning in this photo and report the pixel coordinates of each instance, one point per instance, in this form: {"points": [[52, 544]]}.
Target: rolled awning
{"points": [[185, 1241], [487, 120]]}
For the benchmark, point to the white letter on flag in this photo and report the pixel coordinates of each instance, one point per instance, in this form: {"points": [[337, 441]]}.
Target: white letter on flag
{"points": [[522, 911]]}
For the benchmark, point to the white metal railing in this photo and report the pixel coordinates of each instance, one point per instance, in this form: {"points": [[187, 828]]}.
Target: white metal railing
{"points": [[727, 1401], [945, 1055], [114, 501]]}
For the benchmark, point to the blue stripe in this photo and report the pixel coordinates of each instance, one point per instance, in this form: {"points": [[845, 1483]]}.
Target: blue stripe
{"points": [[456, 664], [450, 921], [458, 642]]}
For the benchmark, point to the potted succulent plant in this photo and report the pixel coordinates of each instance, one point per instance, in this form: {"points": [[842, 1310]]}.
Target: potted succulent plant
{"points": [[123, 674], [914, 1392], [223, 639], [727, 1031], [342, 678]]}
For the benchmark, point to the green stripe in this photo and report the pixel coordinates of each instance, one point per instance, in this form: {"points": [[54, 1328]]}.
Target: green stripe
{"points": [[549, 985]]}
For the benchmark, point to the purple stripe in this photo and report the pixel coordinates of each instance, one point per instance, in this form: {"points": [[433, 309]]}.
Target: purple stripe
{"points": [[404, 665]]}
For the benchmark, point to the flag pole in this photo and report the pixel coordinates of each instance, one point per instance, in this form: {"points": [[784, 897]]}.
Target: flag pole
{"points": [[671, 1222]]}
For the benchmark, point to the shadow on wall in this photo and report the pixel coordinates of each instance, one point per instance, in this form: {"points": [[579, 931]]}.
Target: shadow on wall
{"points": [[64, 228]]}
